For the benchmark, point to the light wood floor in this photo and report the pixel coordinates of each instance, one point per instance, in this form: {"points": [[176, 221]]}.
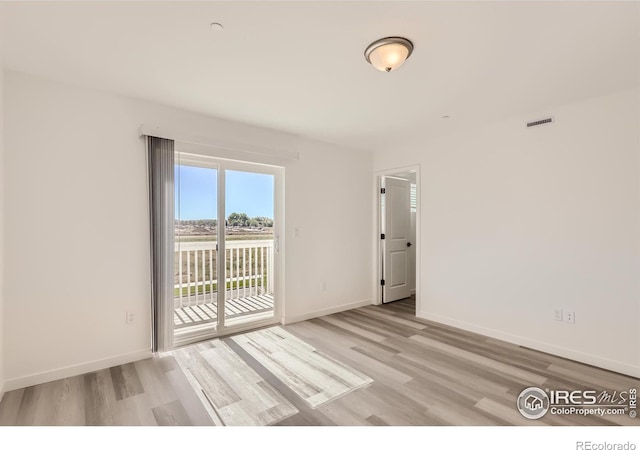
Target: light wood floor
{"points": [[423, 374]]}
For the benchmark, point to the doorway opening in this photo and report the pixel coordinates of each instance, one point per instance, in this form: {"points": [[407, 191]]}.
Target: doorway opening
{"points": [[227, 223], [398, 238]]}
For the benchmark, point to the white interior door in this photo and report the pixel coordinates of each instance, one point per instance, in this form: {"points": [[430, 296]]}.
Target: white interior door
{"points": [[396, 227]]}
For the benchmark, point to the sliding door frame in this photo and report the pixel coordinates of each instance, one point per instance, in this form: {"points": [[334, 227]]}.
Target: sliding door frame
{"points": [[223, 165]]}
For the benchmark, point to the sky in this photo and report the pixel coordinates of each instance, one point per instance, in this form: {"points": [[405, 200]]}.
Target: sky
{"points": [[196, 193]]}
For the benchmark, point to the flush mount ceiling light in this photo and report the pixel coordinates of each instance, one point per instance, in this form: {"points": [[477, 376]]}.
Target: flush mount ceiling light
{"points": [[388, 53]]}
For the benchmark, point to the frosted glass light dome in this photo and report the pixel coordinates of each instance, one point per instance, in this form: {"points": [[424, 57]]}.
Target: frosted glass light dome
{"points": [[389, 53]]}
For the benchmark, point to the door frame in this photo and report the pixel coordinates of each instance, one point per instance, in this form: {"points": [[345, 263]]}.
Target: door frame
{"points": [[377, 244], [221, 165], [388, 245]]}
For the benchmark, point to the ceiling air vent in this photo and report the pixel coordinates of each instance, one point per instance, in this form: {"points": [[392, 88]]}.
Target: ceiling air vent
{"points": [[535, 123]]}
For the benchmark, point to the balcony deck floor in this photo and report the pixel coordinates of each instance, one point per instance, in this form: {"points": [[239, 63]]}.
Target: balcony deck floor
{"points": [[203, 313]]}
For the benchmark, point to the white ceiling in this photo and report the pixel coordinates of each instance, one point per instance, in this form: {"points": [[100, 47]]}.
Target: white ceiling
{"points": [[299, 66]]}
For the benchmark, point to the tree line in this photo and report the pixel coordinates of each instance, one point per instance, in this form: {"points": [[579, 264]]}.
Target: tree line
{"points": [[242, 220], [234, 220]]}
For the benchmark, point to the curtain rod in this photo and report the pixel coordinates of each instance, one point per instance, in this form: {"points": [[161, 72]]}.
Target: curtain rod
{"points": [[227, 147]]}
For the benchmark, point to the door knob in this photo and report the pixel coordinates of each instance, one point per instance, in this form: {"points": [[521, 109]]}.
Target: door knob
{"points": [[408, 244]]}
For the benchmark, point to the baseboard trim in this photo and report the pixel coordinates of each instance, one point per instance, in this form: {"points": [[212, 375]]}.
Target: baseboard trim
{"points": [[563, 352], [325, 312], [71, 371], [1, 390]]}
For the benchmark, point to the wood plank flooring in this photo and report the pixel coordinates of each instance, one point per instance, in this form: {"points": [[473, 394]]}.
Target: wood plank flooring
{"points": [[148, 392], [423, 373]]}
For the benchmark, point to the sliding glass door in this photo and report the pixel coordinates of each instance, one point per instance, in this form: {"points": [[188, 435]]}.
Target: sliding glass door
{"points": [[224, 268], [249, 206], [196, 240]]}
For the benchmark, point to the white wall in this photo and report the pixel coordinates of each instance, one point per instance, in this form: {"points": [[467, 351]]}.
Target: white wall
{"points": [[329, 201], [1, 237], [517, 221], [77, 232]]}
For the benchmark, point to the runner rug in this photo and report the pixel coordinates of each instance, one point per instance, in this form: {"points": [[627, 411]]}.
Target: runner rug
{"points": [[231, 391], [315, 377]]}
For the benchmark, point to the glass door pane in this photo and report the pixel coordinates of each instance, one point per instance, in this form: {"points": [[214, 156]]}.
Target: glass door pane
{"points": [[195, 280], [249, 247]]}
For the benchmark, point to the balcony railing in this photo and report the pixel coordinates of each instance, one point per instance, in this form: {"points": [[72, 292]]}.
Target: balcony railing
{"points": [[249, 271]]}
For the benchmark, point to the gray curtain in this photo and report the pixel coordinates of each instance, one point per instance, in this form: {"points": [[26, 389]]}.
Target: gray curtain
{"points": [[161, 158]]}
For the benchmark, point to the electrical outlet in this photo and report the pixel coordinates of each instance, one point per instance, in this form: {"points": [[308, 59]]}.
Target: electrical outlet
{"points": [[570, 317], [130, 318], [557, 314], [323, 286]]}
